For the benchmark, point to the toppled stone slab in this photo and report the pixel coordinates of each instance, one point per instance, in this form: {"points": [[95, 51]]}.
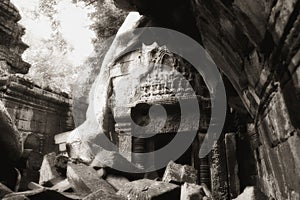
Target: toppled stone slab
{"points": [[117, 181], [85, 180], [20, 197], [180, 174], [53, 181], [113, 160], [62, 186], [48, 170], [149, 189], [42, 193], [103, 195], [4, 190], [252, 193], [191, 192], [34, 186]]}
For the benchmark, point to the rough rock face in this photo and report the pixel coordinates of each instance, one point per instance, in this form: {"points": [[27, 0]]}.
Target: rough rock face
{"points": [[149, 189], [30, 116], [179, 174], [256, 44], [38, 114], [10, 139], [11, 45]]}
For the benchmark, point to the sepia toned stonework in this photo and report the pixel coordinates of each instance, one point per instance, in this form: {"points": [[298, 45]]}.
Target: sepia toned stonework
{"points": [[255, 45], [30, 115], [11, 45]]}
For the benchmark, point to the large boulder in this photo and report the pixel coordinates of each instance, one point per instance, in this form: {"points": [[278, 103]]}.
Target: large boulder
{"points": [[179, 174], [10, 138], [252, 193], [48, 170]]}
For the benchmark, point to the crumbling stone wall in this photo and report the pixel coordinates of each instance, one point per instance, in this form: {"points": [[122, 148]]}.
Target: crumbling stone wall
{"points": [[256, 45], [30, 116], [38, 113], [11, 45]]}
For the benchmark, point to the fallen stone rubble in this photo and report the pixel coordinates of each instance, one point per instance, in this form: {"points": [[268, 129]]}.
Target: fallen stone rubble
{"points": [[64, 179]]}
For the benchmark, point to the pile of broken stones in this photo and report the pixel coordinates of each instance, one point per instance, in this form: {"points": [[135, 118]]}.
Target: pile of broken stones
{"points": [[64, 179]]}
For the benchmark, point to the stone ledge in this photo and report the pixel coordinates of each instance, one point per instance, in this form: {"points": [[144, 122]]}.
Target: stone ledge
{"points": [[16, 86]]}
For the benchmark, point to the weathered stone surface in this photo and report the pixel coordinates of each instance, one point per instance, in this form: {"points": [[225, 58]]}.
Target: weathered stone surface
{"points": [[149, 189], [232, 165], [48, 170], [18, 197], [40, 194], [251, 193], [103, 195], [280, 16], [61, 140], [61, 163], [252, 42], [112, 159], [85, 180], [53, 181], [38, 113], [191, 192], [219, 182], [10, 137], [34, 186], [62, 186], [4, 190], [180, 174], [256, 12], [116, 181], [11, 45]]}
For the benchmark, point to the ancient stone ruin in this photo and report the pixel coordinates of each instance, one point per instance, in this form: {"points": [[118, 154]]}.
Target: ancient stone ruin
{"points": [[30, 115], [255, 45]]}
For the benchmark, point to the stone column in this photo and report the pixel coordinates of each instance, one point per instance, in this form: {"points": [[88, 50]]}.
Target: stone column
{"points": [[219, 170], [204, 166], [123, 130], [232, 165]]}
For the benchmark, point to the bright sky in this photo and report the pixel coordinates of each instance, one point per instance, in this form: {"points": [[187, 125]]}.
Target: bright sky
{"points": [[74, 27]]}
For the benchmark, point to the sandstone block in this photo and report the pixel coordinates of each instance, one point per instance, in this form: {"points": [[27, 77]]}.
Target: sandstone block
{"points": [[40, 194], [103, 195], [149, 189], [62, 186], [84, 179], [10, 137], [251, 193], [191, 192], [117, 181], [179, 174], [113, 160], [4, 190], [48, 170]]}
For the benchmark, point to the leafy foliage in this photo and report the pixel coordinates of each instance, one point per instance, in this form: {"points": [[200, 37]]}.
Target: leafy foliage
{"points": [[51, 55]]}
